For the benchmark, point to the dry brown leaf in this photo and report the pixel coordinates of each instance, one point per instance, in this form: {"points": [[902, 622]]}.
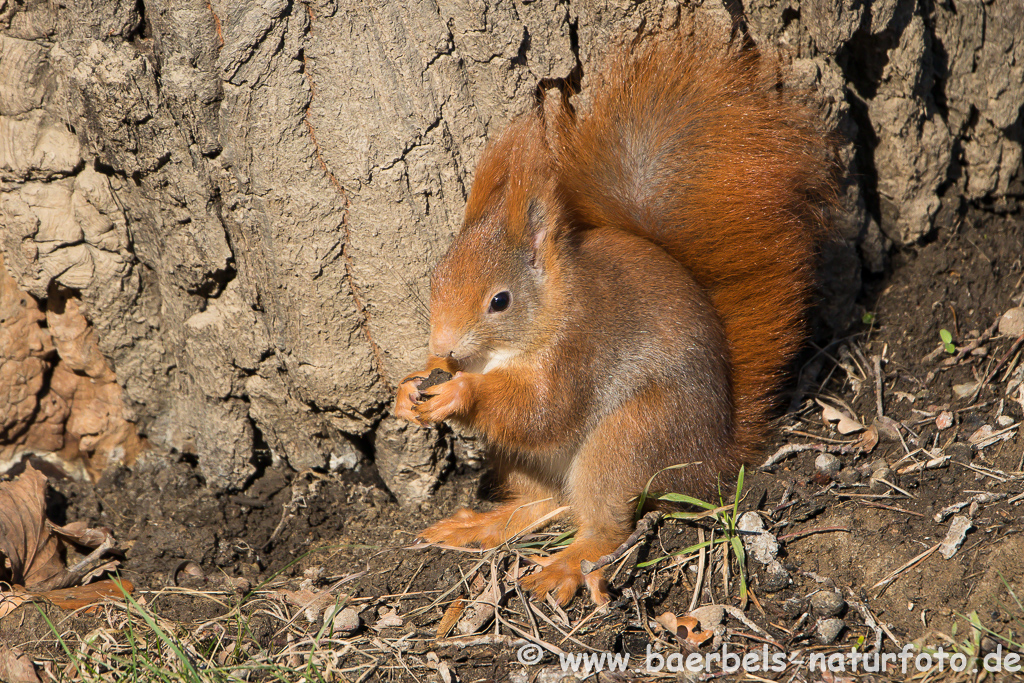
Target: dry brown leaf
{"points": [[690, 633], [33, 552], [311, 603], [83, 596], [869, 439], [684, 628], [451, 617], [81, 534], [66, 598], [669, 621], [16, 666], [12, 600], [846, 423], [35, 547]]}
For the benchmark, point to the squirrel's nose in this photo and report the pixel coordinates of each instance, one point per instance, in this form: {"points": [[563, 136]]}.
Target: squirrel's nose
{"points": [[443, 342]]}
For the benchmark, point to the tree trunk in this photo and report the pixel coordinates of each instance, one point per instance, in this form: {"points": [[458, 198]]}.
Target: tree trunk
{"points": [[225, 212]]}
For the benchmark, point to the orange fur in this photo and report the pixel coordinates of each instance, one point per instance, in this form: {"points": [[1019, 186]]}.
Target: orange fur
{"points": [[743, 211]]}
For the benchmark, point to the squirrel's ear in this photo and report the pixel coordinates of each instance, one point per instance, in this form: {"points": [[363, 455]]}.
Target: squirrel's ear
{"points": [[537, 229], [554, 110]]}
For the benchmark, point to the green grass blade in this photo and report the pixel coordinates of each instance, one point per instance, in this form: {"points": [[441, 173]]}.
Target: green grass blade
{"points": [[642, 498], [164, 637], [689, 500]]}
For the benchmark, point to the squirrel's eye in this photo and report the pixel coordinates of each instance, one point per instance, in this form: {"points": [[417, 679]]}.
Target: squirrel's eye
{"points": [[500, 302]]}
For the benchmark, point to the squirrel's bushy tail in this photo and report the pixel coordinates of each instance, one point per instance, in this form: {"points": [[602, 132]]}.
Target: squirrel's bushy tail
{"points": [[694, 146]]}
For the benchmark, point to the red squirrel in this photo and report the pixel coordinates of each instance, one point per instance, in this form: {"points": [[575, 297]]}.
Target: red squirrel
{"points": [[624, 294]]}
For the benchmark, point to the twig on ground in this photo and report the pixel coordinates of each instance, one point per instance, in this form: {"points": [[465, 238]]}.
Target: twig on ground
{"points": [[877, 364], [972, 345], [869, 620], [868, 503], [979, 499], [884, 583], [992, 373], [644, 527], [932, 464], [800, 534], [789, 449]]}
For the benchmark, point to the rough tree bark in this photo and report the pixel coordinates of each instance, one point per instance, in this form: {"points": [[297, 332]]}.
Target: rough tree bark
{"points": [[224, 213]]}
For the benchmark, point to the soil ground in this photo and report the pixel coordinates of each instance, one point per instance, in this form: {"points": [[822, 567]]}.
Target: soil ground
{"points": [[344, 537]]}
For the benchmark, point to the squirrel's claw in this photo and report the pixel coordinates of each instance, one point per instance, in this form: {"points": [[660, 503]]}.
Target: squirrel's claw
{"points": [[561, 578], [408, 396], [467, 527], [454, 397]]}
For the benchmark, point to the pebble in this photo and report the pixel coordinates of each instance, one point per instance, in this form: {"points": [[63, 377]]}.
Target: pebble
{"points": [[827, 464], [878, 479], [760, 544], [827, 603], [962, 390], [1012, 322], [775, 578], [848, 475], [1004, 420], [958, 529], [793, 607], [829, 629], [709, 616], [344, 621], [959, 451]]}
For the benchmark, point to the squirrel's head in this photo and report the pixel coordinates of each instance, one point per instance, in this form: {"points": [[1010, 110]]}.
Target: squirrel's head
{"points": [[492, 293]]}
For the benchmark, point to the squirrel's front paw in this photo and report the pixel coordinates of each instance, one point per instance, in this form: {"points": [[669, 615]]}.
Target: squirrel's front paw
{"points": [[453, 398], [408, 395]]}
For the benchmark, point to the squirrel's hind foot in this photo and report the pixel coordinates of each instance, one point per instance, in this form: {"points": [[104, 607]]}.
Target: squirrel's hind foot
{"points": [[560, 575], [488, 529]]}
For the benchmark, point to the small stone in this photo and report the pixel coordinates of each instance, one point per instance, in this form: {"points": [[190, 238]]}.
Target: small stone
{"points": [[958, 529], [759, 544], [793, 607], [709, 616], [888, 428], [827, 603], [958, 451], [1012, 322], [848, 476], [879, 478], [964, 390], [1004, 420], [345, 620], [829, 629], [944, 420], [827, 464], [775, 577]]}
